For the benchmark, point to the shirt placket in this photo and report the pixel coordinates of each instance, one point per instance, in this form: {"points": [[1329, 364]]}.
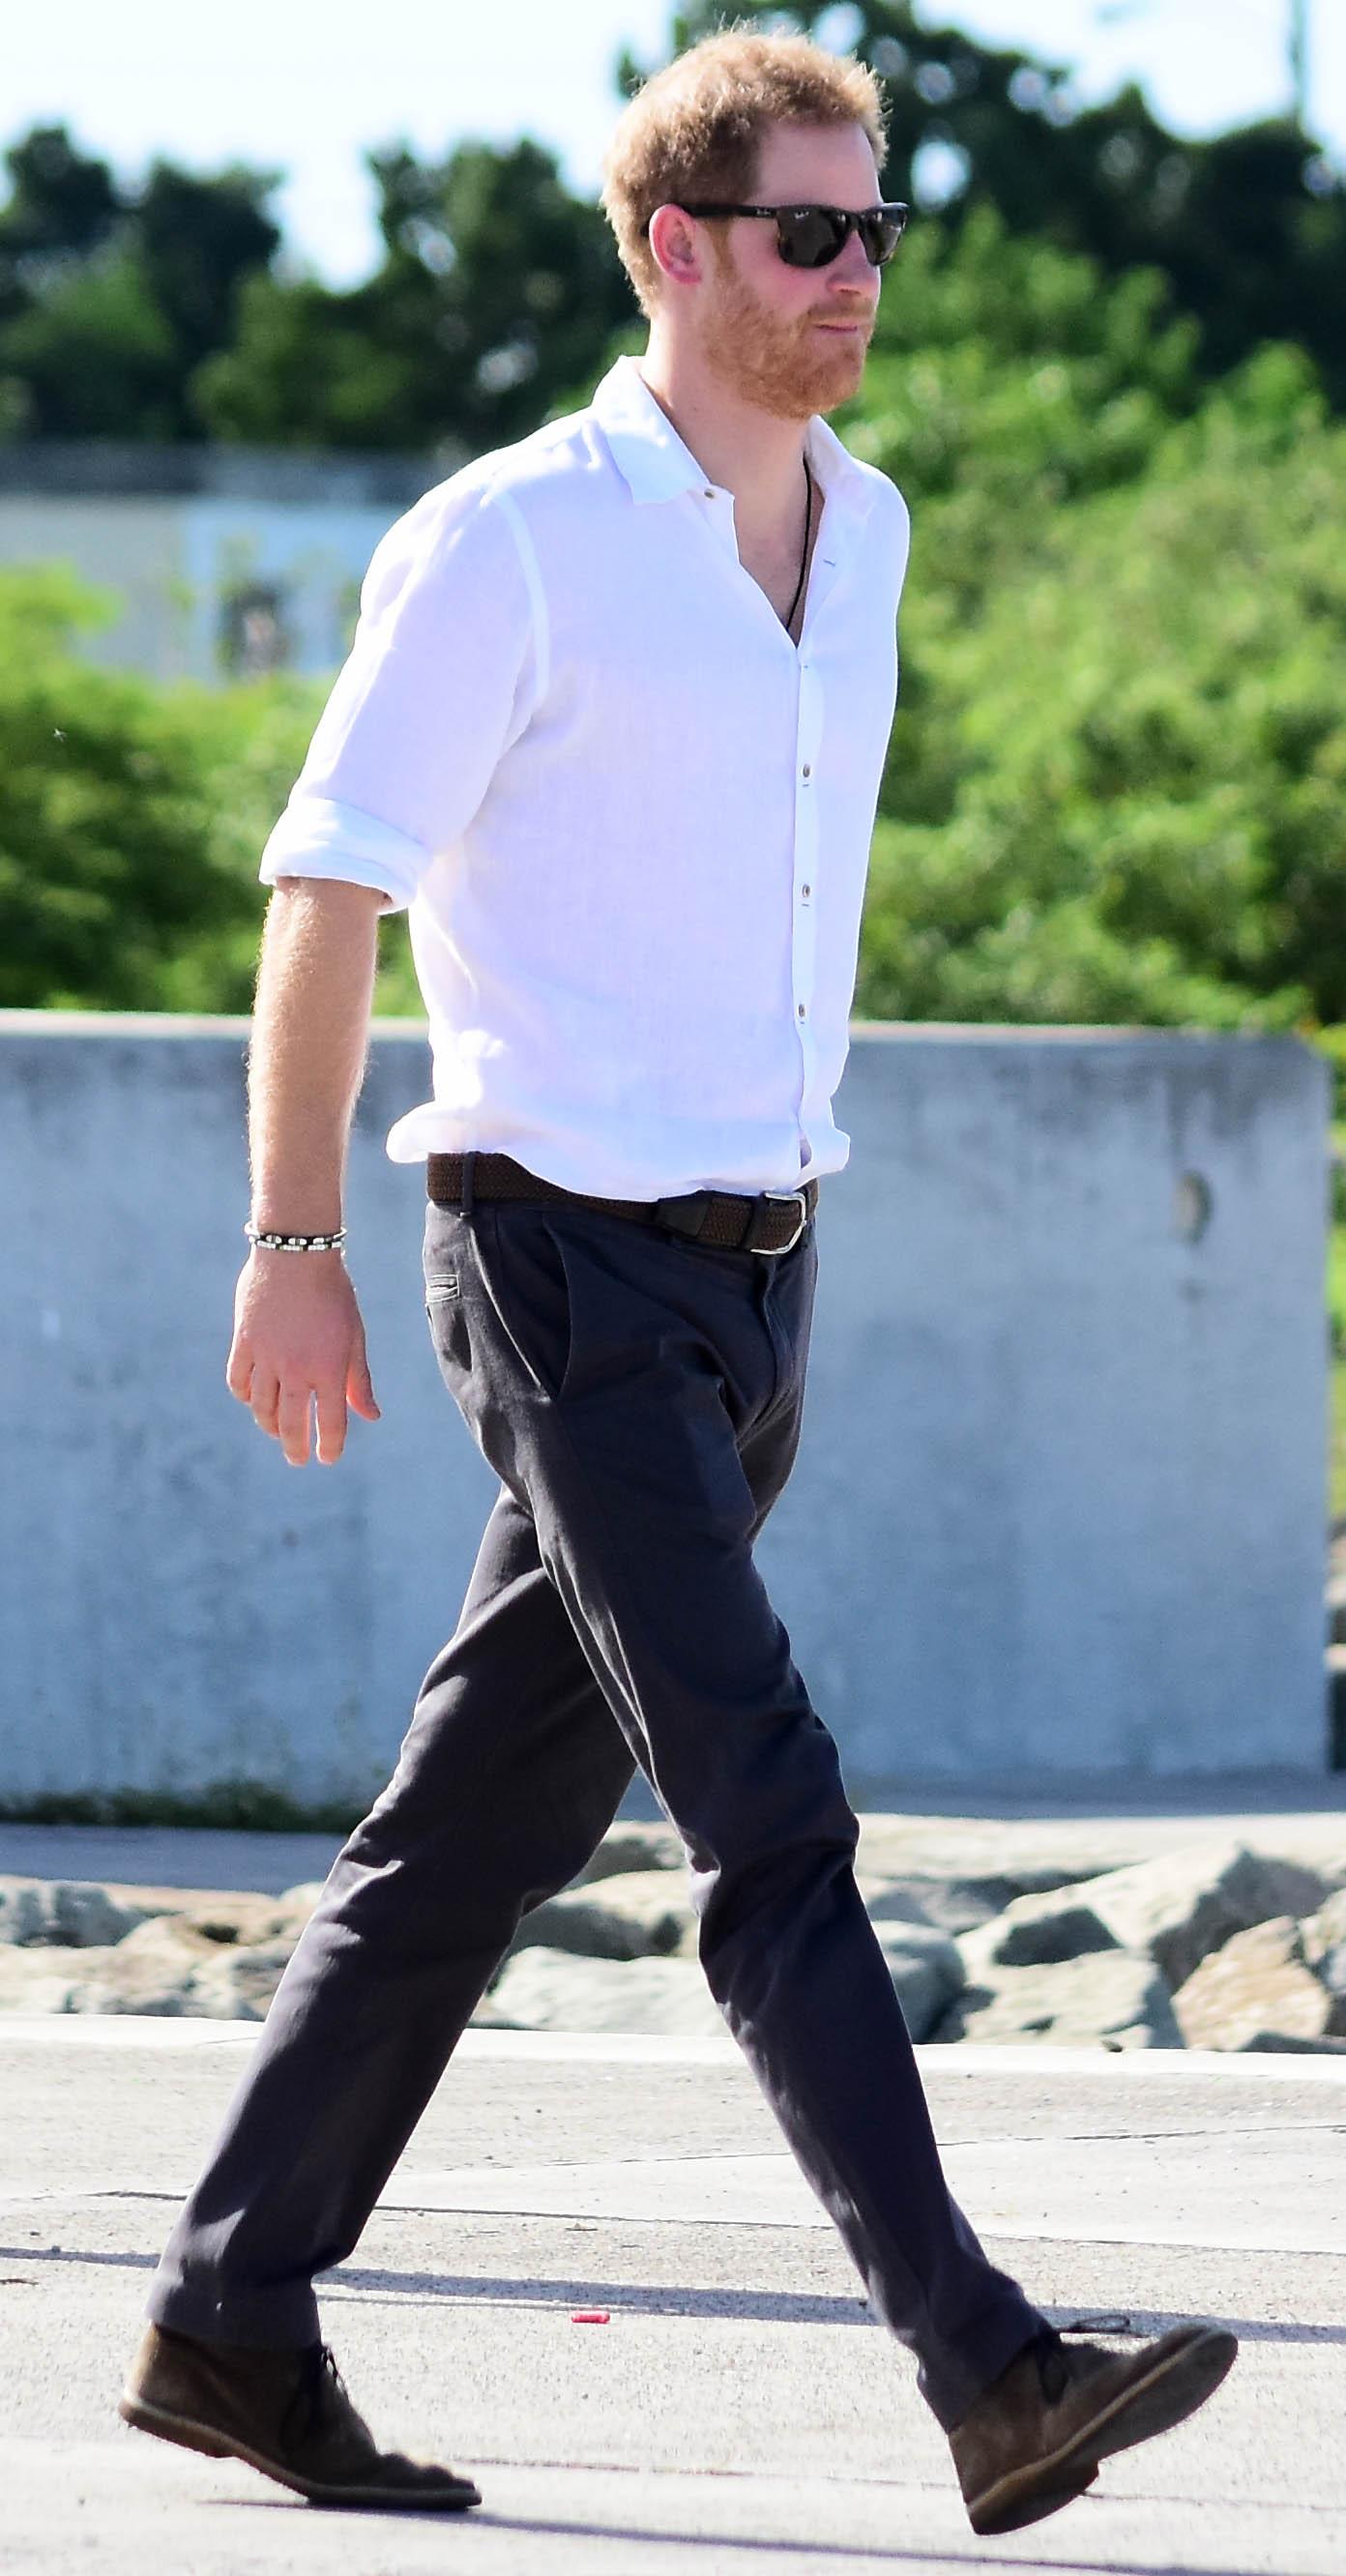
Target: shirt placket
{"points": [[808, 739], [803, 942]]}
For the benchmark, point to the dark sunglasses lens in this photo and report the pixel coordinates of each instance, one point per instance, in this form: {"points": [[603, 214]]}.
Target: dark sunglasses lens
{"points": [[809, 236], [881, 235]]}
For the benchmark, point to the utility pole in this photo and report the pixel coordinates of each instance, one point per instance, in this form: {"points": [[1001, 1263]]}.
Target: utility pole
{"points": [[1299, 62]]}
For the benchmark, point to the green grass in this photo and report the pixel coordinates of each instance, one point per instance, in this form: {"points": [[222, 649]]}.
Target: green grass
{"points": [[1337, 1444], [238, 1806]]}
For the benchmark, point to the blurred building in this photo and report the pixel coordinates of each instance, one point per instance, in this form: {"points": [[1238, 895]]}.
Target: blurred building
{"points": [[227, 560]]}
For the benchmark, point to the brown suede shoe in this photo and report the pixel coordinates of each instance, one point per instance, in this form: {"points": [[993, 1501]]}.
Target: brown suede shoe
{"points": [[1035, 2437], [285, 2413]]}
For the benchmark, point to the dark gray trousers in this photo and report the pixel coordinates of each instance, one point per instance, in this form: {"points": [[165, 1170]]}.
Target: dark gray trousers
{"points": [[639, 1397]]}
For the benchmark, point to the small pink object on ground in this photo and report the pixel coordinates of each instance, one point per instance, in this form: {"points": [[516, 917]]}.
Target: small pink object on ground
{"points": [[590, 2317]]}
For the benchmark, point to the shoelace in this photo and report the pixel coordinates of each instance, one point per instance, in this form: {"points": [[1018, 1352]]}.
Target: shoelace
{"points": [[1053, 2371], [320, 2379]]}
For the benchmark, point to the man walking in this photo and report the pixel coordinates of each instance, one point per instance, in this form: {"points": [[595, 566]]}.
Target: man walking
{"points": [[612, 727]]}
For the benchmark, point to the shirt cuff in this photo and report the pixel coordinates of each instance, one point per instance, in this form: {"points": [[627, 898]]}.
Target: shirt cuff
{"points": [[317, 836]]}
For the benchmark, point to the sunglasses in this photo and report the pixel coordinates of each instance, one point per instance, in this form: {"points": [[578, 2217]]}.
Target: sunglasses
{"points": [[813, 236]]}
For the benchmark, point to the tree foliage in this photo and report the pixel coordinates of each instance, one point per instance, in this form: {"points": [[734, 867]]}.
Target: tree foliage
{"points": [[1115, 785], [495, 287], [111, 299], [131, 817]]}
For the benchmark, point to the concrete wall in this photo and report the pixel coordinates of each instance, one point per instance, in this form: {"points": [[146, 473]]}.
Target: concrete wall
{"points": [[179, 531], [174, 561], [1059, 1509]]}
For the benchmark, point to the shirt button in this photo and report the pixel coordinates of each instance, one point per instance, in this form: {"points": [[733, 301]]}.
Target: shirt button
{"points": [[807, 892], [802, 1013], [808, 769], [708, 494]]}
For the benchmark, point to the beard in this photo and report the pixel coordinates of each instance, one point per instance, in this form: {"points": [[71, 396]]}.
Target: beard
{"points": [[780, 366]]}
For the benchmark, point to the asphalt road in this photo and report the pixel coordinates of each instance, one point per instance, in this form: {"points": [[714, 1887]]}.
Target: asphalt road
{"points": [[740, 2410]]}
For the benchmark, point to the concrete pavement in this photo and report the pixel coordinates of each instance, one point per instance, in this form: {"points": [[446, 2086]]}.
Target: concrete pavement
{"points": [[739, 2410]]}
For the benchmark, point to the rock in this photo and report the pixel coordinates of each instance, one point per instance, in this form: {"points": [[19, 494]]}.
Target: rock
{"points": [[953, 1905], [297, 1903], [894, 1900], [1187, 1903], [172, 1966], [40, 1980], [1281, 2043], [1256, 1989], [152, 1971], [556, 1990], [238, 1921], [633, 1847], [69, 1913], [1038, 1932], [926, 1968], [237, 1985], [1324, 1939], [1109, 1996], [636, 1915], [1028, 1854]]}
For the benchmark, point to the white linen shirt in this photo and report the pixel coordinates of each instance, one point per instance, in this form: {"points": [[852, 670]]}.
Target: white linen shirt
{"points": [[629, 817]]}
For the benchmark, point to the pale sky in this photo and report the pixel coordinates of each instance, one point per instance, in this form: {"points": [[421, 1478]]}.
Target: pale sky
{"points": [[304, 85]]}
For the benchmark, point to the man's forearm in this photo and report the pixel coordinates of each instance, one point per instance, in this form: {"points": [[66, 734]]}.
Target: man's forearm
{"points": [[310, 1036]]}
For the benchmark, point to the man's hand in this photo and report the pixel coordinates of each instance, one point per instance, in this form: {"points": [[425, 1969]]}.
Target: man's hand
{"points": [[299, 1341]]}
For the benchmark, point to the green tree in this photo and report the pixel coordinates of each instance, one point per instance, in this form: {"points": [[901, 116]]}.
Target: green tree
{"points": [[1115, 787], [496, 289], [61, 207], [131, 817], [111, 299]]}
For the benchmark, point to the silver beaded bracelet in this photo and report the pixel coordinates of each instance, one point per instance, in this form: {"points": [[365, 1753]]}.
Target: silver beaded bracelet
{"points": [[296, 1242]]}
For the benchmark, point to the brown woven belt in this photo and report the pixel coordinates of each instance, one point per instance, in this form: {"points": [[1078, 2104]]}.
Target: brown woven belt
{"points": [[772, 1222]]}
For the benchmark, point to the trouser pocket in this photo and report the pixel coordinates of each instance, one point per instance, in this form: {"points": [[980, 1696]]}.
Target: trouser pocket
{"points": [[522, 1268]]}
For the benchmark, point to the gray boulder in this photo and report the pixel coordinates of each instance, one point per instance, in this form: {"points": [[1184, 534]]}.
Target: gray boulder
{"points": [[1017, 1855], [633, 1847], [927, 1970], [1187, 1903], [953, 1905], [1107, 1998], [1039, 1932], [238, 1984], [289, 1913], [64, 1913], [152, 1971], [632, 1915], [1257, 1991], [174, 1966], [1324, 1942], [40, 1979], [557, 1990]]}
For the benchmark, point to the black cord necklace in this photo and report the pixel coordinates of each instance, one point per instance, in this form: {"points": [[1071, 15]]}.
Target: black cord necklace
{"points": [[808, 531]]}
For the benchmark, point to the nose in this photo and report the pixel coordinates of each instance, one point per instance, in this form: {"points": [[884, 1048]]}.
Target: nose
{"points": [[851, 268]]}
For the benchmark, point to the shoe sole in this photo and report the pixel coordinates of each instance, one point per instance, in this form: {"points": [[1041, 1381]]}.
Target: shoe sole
{"points": [[191, 2436], [1171, 2390]]}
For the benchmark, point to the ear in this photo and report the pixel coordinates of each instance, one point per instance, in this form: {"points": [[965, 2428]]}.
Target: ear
{"points": [[677, 246]]}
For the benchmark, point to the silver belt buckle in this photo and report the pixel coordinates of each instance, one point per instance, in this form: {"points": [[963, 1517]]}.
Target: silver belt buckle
{"points": [[773, 1251]]}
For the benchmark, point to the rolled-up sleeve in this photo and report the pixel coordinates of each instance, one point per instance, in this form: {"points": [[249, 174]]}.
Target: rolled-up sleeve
{"points": [[440, 679]]}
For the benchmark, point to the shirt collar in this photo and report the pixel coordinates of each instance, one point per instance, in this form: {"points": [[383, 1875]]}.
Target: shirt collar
{"points": [[655, 464]]}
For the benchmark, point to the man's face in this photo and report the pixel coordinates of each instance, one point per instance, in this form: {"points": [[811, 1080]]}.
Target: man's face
{"points": [[792, 340]]}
